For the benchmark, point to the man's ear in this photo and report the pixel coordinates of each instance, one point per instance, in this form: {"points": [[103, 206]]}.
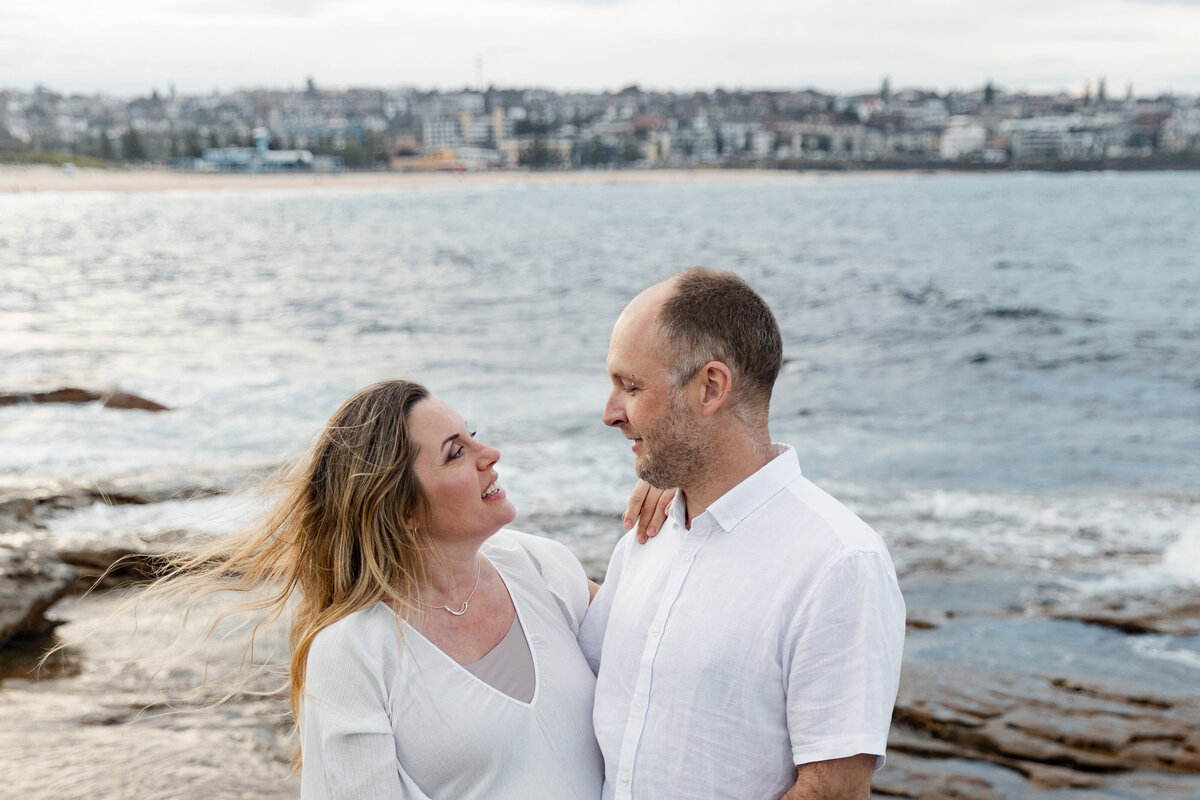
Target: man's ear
{"points": [[715, 384]]}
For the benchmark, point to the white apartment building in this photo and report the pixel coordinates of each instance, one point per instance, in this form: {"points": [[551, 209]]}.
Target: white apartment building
{"points": [[962, 137], [1181, 131], [1064, 137]]}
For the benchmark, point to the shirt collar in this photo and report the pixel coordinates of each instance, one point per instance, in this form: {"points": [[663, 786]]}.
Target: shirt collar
{"points": [[731, 508]]}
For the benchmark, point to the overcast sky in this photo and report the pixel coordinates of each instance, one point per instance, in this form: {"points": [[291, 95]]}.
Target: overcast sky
{"points": [[132, 46]]}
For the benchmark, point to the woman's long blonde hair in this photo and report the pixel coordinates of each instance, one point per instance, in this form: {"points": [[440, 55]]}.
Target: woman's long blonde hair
{"points": [[342, 537]]}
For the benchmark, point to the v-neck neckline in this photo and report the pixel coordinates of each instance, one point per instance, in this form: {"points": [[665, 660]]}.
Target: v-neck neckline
{"points": [[519, 617]]}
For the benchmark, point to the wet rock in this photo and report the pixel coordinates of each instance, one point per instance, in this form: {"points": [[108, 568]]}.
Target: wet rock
{"points": [[922, 778], [116, 725], [1054, 732], [124, 400], [31, 580], [1172, 610], [28, 507], [67, 395], [117, 556], [116, 399]]}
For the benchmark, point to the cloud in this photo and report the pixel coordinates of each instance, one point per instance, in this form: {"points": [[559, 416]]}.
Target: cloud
{"points": [[835, 45], [298, 9]]}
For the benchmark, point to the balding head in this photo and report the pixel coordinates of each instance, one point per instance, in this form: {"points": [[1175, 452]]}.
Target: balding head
{"points": [[640, 317]]}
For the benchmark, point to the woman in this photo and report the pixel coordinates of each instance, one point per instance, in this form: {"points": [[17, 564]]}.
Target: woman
{"points": [[432, 654]]}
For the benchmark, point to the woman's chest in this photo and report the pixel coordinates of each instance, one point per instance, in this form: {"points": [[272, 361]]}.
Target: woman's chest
{"points": [[444, 717]]}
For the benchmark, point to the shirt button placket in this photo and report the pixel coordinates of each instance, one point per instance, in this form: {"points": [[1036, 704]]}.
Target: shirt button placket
{"points": [[637, 720]]}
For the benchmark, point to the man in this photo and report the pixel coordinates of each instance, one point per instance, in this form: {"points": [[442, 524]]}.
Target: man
{"points": [[752, 649]]}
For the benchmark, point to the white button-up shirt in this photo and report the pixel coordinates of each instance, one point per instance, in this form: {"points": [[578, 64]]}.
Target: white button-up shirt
{"points": [[768, 635]]}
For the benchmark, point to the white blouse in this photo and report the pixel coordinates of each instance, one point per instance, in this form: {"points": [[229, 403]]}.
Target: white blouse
{"points": [[386, 715]]}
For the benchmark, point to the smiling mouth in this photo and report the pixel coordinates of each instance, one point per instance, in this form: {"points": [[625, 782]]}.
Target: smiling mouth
{"points": [[492, 489]]}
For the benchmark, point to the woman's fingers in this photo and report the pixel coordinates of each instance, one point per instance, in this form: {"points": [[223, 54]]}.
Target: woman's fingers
{"points": [[647, 509], [633, 509], [654, 513], [660, 511]]}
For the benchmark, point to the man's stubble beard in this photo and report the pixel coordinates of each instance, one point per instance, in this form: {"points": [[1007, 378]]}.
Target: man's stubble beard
{"points": [[677, 449]]}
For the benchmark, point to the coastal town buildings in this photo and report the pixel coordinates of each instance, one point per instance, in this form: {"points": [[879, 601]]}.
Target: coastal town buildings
{"points": [[407, 128]]}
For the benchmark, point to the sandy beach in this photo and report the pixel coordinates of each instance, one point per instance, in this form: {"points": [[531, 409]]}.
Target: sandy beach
{"points": [[45, 178]]}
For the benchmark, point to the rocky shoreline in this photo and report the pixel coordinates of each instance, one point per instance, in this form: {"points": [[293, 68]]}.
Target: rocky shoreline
{"points": [[1001, 696], [110, 399]]}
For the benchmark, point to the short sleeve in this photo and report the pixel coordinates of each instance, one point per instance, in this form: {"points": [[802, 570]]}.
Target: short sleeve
{"points": [[348, 748], [842, 661], [561, 572]]}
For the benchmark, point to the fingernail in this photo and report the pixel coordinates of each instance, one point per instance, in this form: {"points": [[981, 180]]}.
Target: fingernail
{"points": [[651, 531], [628, 523]]}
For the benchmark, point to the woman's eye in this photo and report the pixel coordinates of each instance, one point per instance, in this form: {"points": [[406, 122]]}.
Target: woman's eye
{"points": [[457, 452]]}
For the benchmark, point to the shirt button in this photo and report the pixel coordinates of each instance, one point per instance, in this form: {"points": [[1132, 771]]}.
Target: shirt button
{"points": [[638, 706], [656, 631], [625, 781], [685, 557]]}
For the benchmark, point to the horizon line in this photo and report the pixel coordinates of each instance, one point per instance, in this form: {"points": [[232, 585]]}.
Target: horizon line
{"points": [[1089, 88]]}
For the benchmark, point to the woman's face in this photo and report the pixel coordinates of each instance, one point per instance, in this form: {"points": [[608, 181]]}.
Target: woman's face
{"points": [[458, 476]]}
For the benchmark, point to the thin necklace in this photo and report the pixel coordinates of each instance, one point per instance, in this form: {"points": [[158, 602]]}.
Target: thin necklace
{"points": [[466, 602]]}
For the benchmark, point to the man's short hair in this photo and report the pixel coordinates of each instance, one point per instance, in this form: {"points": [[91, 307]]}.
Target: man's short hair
{"points": [[713, 315]]}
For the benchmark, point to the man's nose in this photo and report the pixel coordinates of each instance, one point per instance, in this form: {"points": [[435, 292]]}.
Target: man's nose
{"points": [[614, 415]]}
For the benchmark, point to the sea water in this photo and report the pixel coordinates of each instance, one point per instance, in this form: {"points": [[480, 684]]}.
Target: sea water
{"points": [[992, 370]]}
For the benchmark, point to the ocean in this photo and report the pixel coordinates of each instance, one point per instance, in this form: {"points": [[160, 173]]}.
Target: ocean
{"points": [[994, 370]]}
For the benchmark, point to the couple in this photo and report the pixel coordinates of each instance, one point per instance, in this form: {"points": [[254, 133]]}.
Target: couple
{"points": [[750, 650]]}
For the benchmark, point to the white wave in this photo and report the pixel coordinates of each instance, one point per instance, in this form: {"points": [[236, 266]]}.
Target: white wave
{"points": [[219, 515], [1181, 559], [1124, 581], [1129, 537], [1164, 648]]}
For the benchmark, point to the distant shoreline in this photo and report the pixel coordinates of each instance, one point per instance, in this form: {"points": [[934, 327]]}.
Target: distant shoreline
{"points": [[46, 178], [23, 179]]}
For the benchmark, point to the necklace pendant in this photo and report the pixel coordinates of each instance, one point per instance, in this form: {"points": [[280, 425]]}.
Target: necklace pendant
{"points": [[466, 602]]}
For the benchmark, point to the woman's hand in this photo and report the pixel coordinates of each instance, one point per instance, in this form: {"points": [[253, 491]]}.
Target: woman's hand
{"points": [[648, 508]]}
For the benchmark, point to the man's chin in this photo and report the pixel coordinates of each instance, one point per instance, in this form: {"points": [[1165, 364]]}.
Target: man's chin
{"points": [[647, 473]]}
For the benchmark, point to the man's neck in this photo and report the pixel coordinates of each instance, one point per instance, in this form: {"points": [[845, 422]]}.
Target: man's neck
{"points": [[733, 462]]}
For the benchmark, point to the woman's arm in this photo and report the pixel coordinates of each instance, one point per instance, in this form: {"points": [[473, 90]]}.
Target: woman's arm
{"points": [[348, 746]]}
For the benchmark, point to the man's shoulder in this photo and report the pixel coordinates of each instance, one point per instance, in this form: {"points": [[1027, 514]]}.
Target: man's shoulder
{"points": [[803, 515]]}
